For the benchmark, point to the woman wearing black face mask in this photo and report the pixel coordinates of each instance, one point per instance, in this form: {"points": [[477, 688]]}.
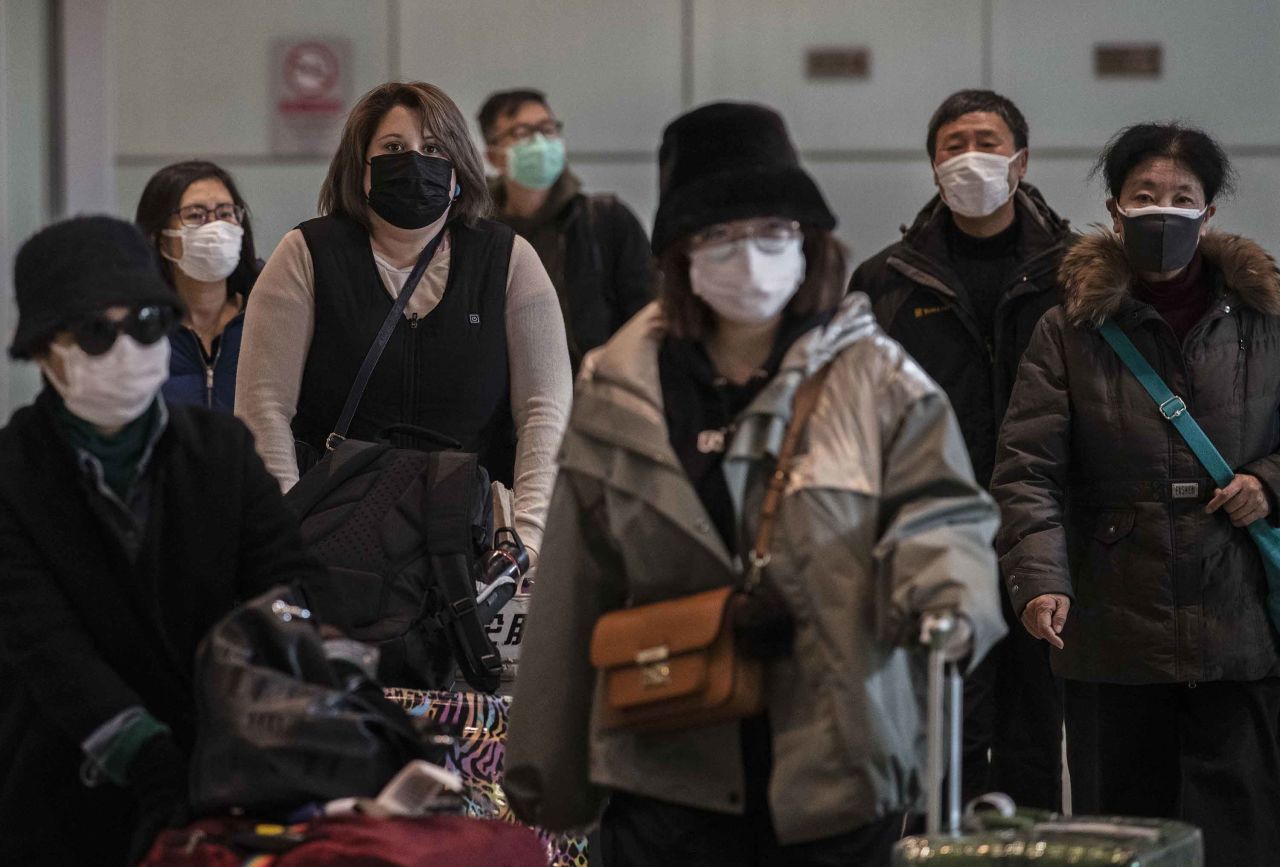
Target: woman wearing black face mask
{"points": [[480, 354], [1117, 547]]}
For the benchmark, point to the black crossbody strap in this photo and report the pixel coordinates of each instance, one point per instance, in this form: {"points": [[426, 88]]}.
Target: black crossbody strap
{"points": [[380, 343]]}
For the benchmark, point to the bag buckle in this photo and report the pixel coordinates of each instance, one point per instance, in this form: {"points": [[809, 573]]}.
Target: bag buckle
{"points": [[654, 669], [333, 440], [1173, 407]]}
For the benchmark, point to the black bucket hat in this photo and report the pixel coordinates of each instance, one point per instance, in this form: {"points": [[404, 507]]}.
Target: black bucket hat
{"points": [[79, 267], [731, 161]]}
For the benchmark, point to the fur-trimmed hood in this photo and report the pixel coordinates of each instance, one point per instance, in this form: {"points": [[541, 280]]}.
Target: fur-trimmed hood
{"points": [[1096, 276]]}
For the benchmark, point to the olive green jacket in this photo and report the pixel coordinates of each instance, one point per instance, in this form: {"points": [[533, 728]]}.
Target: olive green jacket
{"points": [[881, 521]]}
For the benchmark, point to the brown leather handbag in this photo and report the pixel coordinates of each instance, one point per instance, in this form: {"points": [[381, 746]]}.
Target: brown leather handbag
{"points": [[676, 665]]}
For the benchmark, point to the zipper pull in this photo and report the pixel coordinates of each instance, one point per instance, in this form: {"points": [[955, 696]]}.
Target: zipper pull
{"points": [[413, 320], [208, 386]]}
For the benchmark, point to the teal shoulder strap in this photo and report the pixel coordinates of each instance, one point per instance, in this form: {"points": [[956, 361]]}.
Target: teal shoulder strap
{"points": [[1172, 407]]}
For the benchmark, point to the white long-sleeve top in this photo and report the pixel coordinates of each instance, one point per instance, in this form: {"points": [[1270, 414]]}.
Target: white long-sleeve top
{"points": [[280, 322]]}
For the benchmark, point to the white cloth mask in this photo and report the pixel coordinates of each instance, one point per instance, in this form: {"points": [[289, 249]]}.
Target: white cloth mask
{"points": [[976, 184], [209, 252], [112, 389], [744, 284]]}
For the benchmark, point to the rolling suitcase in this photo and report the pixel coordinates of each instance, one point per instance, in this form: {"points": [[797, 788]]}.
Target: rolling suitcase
{"points": [[1003, 835]]}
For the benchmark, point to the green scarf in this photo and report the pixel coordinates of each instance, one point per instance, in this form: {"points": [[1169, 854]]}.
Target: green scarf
{"points": [[118, 454]]}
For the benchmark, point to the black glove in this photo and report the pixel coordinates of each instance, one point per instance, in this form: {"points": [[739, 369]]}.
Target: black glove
{"points": [[158, 779]]}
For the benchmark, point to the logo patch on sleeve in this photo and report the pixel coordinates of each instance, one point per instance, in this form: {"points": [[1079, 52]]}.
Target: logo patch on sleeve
{"points": [[922, 312]]}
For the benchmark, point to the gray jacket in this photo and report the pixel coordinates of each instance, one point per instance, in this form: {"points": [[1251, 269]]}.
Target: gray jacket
{"points": [[882, 521]]}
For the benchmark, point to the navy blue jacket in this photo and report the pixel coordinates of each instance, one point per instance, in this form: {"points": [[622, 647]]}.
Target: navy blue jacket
{"points": [[197, 381]]}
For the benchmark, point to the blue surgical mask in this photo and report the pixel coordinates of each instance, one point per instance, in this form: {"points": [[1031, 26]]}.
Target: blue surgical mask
{"points": [[536, 162]]}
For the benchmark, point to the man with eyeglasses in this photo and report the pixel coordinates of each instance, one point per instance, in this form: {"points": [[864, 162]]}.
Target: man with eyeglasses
{"points": [[962, 292], [127, 529], [593, 247]]}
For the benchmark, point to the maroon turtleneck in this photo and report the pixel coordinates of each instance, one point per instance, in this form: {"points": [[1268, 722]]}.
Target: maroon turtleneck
{"points": [[1182, 301]]}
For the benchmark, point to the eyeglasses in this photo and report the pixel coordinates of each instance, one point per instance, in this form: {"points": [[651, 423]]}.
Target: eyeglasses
{"points": [[96, 334], [550, 128], [722, 241], [195, 216]]}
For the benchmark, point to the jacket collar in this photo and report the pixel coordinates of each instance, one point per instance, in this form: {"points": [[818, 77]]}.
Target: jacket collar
{"points": [[1042, 228], [623, 374], [1097, 281]]}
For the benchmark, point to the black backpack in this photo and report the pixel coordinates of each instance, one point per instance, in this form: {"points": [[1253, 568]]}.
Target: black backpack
{"points": [[400, 531]]}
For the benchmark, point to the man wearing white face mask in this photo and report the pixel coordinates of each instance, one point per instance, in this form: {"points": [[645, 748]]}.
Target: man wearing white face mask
{"points": [[962, 292], [127, 528], [593, 247]]}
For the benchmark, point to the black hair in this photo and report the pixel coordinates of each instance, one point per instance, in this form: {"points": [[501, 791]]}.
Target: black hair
{"points": [[963, 102], [159, 201], [505, 103], [1191, 147]]}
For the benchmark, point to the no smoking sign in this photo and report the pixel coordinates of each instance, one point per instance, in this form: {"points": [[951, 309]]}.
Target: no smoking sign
{"points": [[311, 92]]}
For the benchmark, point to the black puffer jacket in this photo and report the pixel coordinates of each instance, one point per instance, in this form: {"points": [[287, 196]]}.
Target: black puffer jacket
{"points": [[1161, 592], [919, 301]]}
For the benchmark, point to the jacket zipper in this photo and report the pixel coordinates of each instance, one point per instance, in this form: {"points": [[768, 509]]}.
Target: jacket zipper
{"points": [[209, 369]]}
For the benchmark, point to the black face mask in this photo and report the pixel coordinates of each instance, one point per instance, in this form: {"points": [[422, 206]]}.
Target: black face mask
{"points": [[408, 189], [1158, 243]]}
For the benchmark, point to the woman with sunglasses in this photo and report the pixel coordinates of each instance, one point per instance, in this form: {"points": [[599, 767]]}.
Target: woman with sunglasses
{"points": [[479, 352], [128, 527], [199, 226], [676, 426]]}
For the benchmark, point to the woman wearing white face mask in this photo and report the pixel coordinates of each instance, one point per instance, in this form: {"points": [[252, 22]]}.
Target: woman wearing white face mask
{"points": [[127, 528], [676, 427], [1119, 548], [199, 225]]}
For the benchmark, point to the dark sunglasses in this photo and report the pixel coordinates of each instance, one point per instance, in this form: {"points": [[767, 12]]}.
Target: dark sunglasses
{"points": [[96, 334]]}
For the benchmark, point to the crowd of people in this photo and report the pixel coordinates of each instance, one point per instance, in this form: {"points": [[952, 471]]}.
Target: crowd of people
{"points": [[973, 447]]}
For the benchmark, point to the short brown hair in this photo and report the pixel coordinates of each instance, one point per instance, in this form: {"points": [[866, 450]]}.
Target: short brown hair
{"points": [[343, 189], [689, 318]]}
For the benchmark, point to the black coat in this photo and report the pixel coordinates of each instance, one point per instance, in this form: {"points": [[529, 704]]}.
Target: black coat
{"points": [[919, 301], [1161, 592], [84, 634]]}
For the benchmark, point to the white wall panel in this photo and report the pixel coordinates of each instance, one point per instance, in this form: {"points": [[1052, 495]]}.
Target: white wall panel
{"points": [[193, 77], [1221, 66], [610, 68], [921, 50]]}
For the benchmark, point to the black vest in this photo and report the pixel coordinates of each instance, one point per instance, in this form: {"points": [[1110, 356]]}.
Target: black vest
{"points": [[446, 371]]}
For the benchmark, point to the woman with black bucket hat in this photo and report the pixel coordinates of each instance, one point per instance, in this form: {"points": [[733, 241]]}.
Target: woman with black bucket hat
{"points": [[127, 529], [676, 429]]}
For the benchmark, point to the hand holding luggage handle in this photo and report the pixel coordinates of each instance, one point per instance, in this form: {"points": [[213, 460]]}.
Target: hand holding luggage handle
{"points": [[945, 694]]}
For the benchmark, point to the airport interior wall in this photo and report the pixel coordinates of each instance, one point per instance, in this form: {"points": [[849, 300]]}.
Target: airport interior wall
{"points": [[186, 79]]}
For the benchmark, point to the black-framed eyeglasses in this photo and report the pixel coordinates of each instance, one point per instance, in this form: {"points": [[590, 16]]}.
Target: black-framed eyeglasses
{"points": [[195, 216], [769, 236], [96, 334], [550, 128]]}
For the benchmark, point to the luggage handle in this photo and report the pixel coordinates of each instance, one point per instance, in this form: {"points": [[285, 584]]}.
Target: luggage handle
{"points": [[943, 724]]}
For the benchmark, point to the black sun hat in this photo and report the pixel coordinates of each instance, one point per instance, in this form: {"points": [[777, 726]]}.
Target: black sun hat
{"points": [[731, 161], [79, 267]]}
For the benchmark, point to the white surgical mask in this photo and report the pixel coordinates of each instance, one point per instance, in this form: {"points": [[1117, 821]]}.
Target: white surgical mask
{"points": [[112, 389], [976, 184], [746, 285], [209, 252]]}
